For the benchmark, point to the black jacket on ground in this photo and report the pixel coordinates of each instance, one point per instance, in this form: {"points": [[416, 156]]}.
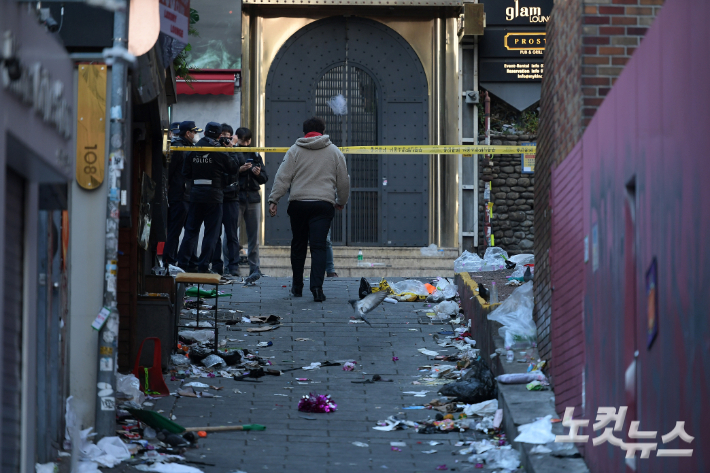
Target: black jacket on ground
{"points": [[177, 189], [249, 183], [208, 166]]}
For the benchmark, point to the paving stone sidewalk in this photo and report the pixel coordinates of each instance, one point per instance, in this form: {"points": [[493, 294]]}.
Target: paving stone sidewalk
{"points": [[292, 443]]}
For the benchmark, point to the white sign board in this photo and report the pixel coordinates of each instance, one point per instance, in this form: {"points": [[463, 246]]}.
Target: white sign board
{"points": [[175, 18]]}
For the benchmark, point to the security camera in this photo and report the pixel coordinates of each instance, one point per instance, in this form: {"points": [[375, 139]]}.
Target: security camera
{"points": [[45, 18]]}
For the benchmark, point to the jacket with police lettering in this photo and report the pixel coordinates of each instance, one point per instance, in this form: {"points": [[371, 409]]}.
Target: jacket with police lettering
{"points": [[177, 191], [206, 171]]}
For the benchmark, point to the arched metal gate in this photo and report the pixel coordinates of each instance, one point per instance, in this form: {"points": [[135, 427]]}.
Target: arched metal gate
{"points": [[384, 85]]}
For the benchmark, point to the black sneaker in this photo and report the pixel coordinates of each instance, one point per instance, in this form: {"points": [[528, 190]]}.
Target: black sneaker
{"points": [[296, 292]]}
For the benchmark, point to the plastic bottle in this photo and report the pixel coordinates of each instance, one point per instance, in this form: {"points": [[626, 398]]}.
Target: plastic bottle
{"points": [[359, 255], [510, 356], [494, 293]]}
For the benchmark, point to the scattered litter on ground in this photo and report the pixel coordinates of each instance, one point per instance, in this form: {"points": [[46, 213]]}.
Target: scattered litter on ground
{"points": [[316, 403], [46, 468], [428, 352], [538, 432]]}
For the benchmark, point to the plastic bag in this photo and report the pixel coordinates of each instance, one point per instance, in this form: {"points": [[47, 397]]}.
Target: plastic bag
{"points": [[409, 290], [338, 104], [446, 309], [505, 458], [198, 354], [485, 408], [180, 360], [523, 259], [476, 386], [515, 314], [197, 335], [538, 432], [467, 262], [130, 386], [494, 259], [231, 357], [521, 378], [430, 250], [446, 288], [214, 360], [520, 271]]}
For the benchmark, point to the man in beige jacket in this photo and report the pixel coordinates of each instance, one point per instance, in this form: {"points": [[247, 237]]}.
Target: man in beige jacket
{"points": [[315, 171]]}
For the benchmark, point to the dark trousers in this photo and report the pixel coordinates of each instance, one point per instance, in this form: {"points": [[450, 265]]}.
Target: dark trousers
{"points": [[310, 223], [230, 220], [177, 214], [211, 215]]}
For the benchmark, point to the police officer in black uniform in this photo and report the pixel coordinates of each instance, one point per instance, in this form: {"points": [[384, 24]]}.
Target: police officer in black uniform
{"points": [[206, 170], [178, 193]]}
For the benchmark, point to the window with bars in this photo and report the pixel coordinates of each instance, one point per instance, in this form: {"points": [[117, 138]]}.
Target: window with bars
{"points": [[359, 222]]}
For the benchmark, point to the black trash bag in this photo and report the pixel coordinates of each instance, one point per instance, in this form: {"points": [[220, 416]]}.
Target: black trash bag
{"points": [[231, 357], [477, 385], [509, 264], [198, 353], [365, 288]]}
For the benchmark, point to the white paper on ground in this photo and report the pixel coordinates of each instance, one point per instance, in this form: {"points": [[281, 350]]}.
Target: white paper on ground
{"points": [[196, 384], [428, 352], [416, 393], [168, 468]]}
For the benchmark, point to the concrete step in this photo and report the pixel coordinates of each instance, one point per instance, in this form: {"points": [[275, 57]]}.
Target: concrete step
{"points": [[386, 262], [367, 251]]}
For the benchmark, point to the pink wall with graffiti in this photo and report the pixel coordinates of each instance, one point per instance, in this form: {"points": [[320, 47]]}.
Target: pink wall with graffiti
{"points": [[646, 197]]}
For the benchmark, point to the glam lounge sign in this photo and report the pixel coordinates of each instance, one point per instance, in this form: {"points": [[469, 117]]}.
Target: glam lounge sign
{"points": [[46, 97], [518, 12]]}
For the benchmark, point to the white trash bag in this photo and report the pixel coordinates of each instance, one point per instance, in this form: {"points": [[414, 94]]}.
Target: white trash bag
{"points": [[538, 432], [523, 259], [130, 386], [409, 290], [446, 309], [338, 104], [467, 262], [515, 313]]}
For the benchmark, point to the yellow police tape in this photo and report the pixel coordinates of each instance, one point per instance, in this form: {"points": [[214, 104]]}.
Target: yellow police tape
{"points": [[423, 149]]}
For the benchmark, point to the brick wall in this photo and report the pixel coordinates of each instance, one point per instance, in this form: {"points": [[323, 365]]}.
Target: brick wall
{"points": [[560, 128], [611, 32]]}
